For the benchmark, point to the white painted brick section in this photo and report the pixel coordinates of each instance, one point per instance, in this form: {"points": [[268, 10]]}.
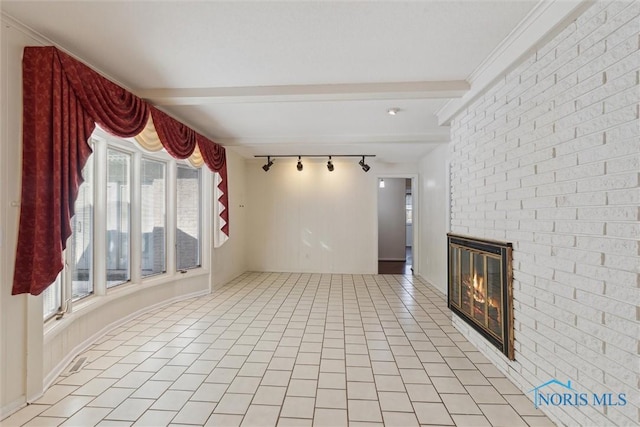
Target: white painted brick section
{"points": [[549, 159]]}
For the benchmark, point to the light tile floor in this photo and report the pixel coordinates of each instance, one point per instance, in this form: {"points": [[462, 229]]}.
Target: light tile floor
{"points": [[288, 350]]}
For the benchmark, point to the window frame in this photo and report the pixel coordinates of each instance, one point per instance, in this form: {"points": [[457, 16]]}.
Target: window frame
{"points": [[59, 299], [68, 272], [165, 165], [130, 172], [200, 217], [101, 142]]}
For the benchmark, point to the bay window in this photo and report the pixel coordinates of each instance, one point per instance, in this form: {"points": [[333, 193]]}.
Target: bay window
{"points": [[119, 228]]}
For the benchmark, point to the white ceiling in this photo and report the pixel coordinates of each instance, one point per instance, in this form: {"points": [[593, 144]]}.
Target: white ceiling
{"points": [[288, 77]]}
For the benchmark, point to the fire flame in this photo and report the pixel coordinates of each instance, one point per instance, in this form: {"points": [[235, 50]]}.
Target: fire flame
{"points": [[478, 288]]}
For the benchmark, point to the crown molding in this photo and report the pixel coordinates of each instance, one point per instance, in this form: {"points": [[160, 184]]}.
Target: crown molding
{"points": [[45, 41], [544, 21], [10, 21]]}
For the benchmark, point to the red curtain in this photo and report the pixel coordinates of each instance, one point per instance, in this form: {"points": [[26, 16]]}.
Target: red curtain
{"points": [[216, 160], [62, 101], [55, 129], [115, 109], [179, 140]]}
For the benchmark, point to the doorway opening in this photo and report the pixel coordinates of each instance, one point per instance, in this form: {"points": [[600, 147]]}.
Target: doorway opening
{"points": [[395, 226]]}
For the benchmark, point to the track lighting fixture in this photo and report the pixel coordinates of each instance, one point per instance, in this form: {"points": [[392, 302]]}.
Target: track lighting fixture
{"points": [[365, 167], [330, 166], [268, 165]]}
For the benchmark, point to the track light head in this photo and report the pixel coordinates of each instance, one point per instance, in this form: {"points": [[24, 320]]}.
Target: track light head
{"points": [[330, 165], [268, 165], [365, 167]]}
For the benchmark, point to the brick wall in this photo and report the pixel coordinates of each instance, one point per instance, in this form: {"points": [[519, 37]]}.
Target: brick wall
{"points": [[548, 158]]}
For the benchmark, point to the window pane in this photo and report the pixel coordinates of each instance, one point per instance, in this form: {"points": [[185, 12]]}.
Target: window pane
{"points": [[188, 218], [118, 191], [81, 248], [153, 217], [51, 298]]}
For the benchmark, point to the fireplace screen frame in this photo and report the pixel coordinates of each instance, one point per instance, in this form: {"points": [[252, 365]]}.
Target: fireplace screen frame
{"points": [[495, 250]]}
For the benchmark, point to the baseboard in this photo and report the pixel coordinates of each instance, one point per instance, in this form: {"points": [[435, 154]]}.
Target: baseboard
{"points": [[393, 259], [10, 409], [59, 368], [442, 290]]}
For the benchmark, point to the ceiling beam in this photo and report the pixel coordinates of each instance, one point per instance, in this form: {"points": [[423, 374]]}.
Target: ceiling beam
{"points": [[439, 135], [304, 93]]}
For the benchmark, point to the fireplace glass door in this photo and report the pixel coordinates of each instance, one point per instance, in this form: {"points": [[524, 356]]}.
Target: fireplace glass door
{"points": [[479, 282], [479, 295]]}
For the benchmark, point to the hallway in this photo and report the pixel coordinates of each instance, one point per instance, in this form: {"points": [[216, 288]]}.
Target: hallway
{"points": [[398, 267], [290, 350]]}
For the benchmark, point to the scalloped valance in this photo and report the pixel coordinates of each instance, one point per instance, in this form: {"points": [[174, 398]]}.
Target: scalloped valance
{"points": [[63, 99]]}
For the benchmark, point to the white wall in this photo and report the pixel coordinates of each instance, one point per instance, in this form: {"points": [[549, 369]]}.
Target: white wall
{"points": [[392, 220], [14, 310], [434, 217], [229, 260], [314, 220], [311, 221], [548, 158]]}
